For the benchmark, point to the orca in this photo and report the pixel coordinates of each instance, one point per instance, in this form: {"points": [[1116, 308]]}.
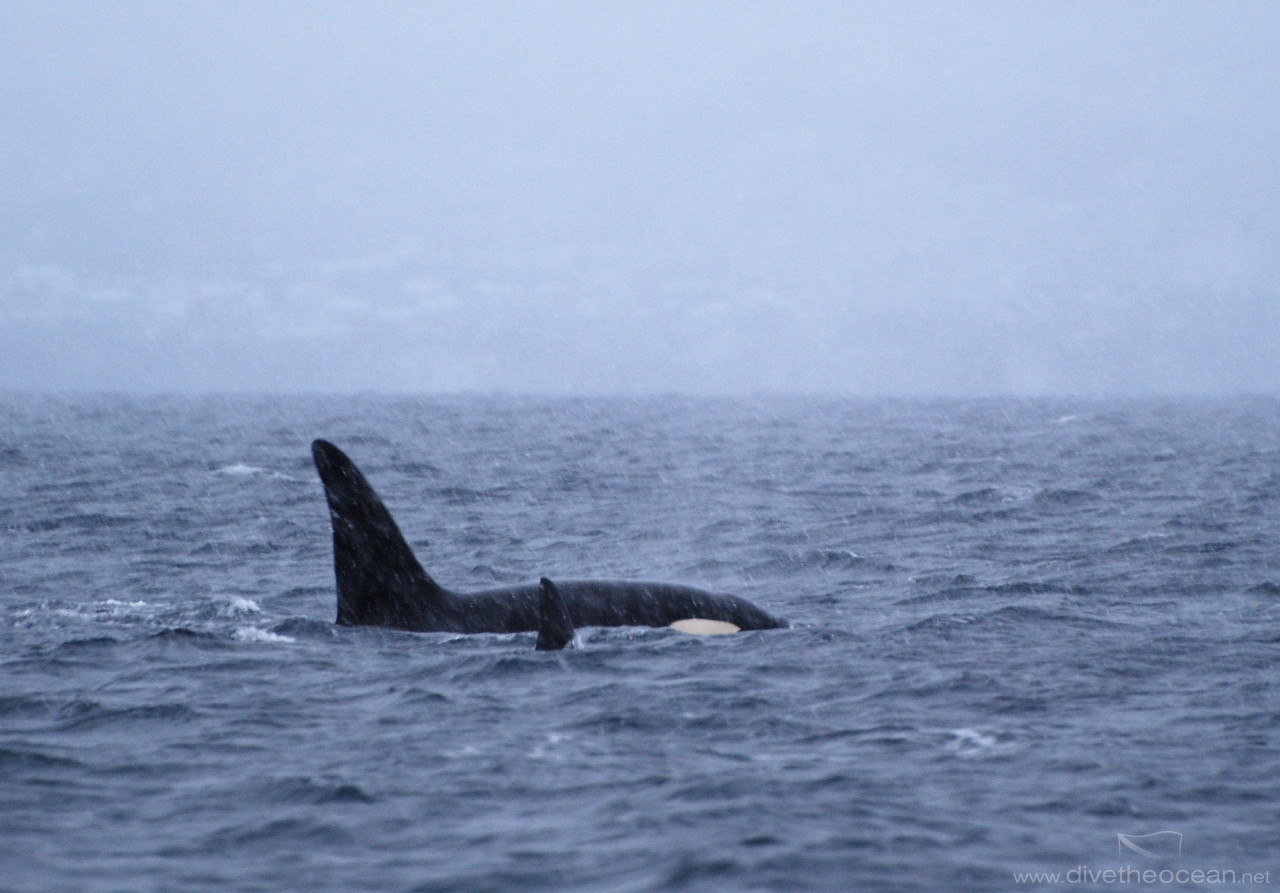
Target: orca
{"points": [[381, 583]]}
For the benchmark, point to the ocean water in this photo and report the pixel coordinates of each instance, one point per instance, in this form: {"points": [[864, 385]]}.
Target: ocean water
{"points": [[1021, 630]]}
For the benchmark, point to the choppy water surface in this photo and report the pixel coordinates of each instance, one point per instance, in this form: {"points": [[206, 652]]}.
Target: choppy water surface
{"points": [[1021, 628]]}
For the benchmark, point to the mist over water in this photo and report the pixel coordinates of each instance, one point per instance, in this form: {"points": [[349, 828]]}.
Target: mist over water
{"points": [[722, 197]]}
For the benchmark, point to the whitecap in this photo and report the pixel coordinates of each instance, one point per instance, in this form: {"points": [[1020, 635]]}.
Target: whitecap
{"points": [[240, 468], [239, 605], [263, 636], [974, 742], [971, 739], [544, 748], [108, 609], [116, 604]]}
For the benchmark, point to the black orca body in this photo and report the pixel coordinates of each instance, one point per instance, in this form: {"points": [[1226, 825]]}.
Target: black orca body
{"points": [[381, 583]]}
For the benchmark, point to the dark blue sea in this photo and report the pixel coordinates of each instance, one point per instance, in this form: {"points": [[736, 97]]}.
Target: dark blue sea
{"points": [[1025, 632]]}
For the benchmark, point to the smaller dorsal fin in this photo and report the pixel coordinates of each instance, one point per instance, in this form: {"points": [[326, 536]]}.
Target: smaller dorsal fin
{"points": [[555, 626]]}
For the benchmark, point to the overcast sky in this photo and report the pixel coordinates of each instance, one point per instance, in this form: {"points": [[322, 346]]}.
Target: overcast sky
{"points": [[862, 198]]}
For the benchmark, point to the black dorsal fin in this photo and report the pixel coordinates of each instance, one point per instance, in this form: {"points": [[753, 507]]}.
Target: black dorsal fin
{"points": [[380, 582], [555, 626]]}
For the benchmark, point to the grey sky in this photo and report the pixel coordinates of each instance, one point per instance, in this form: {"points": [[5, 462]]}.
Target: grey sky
{"points": [[884, 198]]}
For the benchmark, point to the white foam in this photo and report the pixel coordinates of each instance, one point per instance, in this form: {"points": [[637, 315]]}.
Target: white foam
{"points": [[972, 738], [974, 742], [239, 605], [240, 468], [544, 749], [107, 609], [262, 636]]}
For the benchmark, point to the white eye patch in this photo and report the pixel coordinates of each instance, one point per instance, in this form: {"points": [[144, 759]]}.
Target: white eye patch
{"points": [[696, 626]]}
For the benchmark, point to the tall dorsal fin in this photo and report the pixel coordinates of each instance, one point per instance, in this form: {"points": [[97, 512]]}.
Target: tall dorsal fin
{"points": [[380, 582], [555, 626]]}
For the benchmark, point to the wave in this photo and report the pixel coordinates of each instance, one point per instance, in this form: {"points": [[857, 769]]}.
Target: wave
{"points": [[261, 636], [1066, 497], [82, 715], [304, 627], [967, 588], [1009, 615], [303, 789], [12, 759]]}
